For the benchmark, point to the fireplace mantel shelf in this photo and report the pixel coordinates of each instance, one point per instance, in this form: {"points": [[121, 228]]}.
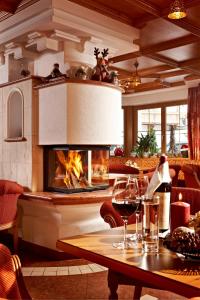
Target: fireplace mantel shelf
{"points": [[65, 80], [69, 199]]}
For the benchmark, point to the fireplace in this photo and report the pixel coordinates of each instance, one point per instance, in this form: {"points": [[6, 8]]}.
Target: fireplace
{"points": [[72, 169]]}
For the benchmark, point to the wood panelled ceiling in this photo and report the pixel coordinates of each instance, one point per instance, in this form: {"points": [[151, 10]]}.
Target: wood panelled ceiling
{"points": [[169, 50]]}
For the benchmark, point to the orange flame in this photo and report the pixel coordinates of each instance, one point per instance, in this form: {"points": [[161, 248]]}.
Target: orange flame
{"points": [[180, 197], [74, 164]]}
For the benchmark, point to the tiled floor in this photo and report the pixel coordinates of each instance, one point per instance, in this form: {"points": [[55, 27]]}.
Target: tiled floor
{"points": [[64, 270]]}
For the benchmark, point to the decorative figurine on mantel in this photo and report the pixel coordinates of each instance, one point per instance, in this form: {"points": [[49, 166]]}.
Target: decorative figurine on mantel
{"points": [[55, 73], [101, 70]]}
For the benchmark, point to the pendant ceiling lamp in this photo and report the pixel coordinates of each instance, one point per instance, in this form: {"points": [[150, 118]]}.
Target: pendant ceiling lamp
{"points": [[177, 10], [136, 80]]}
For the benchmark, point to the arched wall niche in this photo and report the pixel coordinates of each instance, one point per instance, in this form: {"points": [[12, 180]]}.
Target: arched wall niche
{"points": [[15, 116]]}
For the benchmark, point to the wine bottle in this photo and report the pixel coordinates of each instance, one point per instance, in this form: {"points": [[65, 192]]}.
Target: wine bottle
{"points": [[164, 193]]}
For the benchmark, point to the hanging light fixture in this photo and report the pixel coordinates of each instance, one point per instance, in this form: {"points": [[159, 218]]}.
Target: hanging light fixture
{"points": [[136, 80], [177, 10], [133, 82]]}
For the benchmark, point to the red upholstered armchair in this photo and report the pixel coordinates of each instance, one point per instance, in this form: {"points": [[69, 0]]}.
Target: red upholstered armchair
{"points": [[9, 193], [11, 280], [191, 175]]}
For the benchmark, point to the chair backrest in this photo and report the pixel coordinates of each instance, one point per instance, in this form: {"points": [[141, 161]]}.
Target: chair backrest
{"points": [[12, 285], [9, 193], [8, 283], [190, 195], [191, 175]]}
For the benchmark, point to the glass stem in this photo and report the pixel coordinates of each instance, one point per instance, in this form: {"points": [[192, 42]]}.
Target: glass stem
{"points": [[137, 219], [125, 234]]}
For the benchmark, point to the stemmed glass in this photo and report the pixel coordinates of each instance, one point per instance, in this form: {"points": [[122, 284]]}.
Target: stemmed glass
{"points": [[125, 203], [140, 186]]}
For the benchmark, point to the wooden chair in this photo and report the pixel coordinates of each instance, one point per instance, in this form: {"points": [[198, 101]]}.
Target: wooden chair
{"points": [[9, 193], [12, 285]]}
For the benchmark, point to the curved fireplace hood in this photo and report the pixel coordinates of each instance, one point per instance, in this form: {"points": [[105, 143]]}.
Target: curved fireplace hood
{"points": [[76, 112]]}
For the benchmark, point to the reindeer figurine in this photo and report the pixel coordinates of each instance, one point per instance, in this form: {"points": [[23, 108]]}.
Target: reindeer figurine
{"points": [[101, 70]]}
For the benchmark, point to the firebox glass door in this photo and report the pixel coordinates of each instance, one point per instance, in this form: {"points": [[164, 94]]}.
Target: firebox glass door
{"points": [[74, 170]]}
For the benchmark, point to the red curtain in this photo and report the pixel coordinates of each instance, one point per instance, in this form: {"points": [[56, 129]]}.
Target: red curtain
{"points": [[194, 122]]}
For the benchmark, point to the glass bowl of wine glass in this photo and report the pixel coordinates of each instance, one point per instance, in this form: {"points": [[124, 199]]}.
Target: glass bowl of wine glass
{"points": [[125, 202]]}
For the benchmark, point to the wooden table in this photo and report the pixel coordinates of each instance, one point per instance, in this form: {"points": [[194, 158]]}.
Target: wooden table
{"points": [[163, 271]]}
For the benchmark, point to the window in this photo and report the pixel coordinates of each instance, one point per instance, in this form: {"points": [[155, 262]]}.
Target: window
{"points": [[176, 127], [15, 116], [147, 119], [169, 123]]}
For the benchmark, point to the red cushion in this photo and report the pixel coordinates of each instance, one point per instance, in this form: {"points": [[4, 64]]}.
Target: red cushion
{"points": [[10, 187]]}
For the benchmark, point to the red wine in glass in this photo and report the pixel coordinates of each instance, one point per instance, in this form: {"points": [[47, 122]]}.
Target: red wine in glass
{"points": [[125, 208]]}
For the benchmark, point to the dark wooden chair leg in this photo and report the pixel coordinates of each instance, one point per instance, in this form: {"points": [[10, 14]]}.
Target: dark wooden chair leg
{"points": [[112, 285], [137, 292], [15, 236]]}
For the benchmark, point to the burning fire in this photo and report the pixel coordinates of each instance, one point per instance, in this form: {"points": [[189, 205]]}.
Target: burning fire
{"points": [[74, 164], [74, 170]]}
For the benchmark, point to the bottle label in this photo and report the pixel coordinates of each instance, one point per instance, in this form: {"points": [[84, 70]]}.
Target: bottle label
{"points": [[164, 210]]}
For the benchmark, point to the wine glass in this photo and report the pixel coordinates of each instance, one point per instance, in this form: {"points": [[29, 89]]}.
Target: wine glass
{"points": [[124, 202], [140, 186]]}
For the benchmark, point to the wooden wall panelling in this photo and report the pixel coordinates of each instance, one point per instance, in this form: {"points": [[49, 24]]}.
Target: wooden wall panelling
{"points": [[128, 129]]}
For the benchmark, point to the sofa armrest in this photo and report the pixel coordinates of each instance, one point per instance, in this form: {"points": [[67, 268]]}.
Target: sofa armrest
{"points": [[112, 217]]}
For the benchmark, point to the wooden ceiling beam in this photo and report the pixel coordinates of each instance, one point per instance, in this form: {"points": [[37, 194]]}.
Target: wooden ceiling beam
{"points": [[9, 5], [105, 10], [191, 77], [146, 6], [153, 70], [147, 72], [173, 63], [151, 86], [189, 62], [154, 11], [178, 42], [174, 73], [124, 57]]}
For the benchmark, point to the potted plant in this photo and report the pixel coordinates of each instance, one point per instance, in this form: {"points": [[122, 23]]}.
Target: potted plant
{"points": [[146, 144]]}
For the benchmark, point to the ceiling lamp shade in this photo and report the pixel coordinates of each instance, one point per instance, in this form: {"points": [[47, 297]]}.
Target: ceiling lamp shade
{"points": [[177, 10]]}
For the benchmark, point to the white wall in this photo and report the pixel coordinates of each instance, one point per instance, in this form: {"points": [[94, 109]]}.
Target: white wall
{"points": [[44, 64], [21, 161]]}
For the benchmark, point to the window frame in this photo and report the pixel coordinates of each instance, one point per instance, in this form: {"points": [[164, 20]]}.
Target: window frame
{"points": [[162, 106]]}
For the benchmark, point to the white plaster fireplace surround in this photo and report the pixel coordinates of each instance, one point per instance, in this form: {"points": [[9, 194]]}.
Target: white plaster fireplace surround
{"points": [[79, 113]]}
